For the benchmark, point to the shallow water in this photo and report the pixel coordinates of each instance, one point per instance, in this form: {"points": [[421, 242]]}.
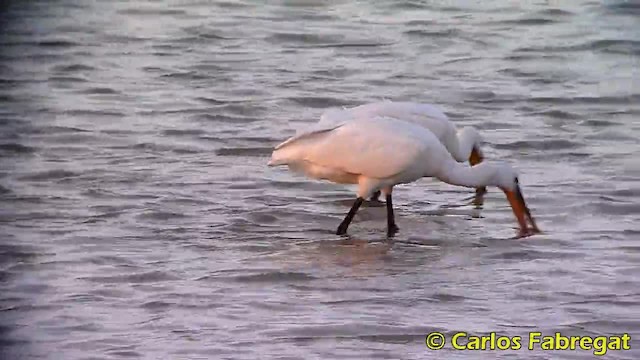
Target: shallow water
{"points": [[139, 219]]}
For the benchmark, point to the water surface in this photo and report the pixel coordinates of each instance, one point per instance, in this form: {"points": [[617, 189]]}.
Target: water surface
{"points": [[139, 219]]}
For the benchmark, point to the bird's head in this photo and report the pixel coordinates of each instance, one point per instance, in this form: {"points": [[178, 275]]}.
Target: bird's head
{"points": [[506, 178], [476, 156], [471, 135]]}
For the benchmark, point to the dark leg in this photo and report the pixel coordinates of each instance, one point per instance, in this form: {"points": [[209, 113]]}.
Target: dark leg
{"points": [[375, 196], [478, 199], [392, 228], [342, 229]]}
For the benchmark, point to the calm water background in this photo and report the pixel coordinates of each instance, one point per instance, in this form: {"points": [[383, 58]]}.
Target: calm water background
{"points": [[138, 218]]}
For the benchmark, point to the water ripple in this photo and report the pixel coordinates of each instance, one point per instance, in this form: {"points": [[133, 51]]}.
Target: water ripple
{"points": [[139, 218]]}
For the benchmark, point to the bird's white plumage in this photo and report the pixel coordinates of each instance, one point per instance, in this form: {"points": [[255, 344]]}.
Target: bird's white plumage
{"points": [[425, 115], [373, 152], [458, 143]]}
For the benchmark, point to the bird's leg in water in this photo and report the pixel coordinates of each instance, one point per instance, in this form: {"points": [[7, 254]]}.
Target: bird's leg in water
{"points": [[478, 198], [342, 229], [375, 196], [392, 228]]}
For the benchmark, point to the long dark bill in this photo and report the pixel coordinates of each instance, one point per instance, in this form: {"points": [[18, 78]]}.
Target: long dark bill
{"points": [[521, 211], [527, 212]]}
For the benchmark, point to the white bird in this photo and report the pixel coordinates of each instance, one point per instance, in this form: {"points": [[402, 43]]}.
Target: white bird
{"points": [[463, 145], [381, 152]]}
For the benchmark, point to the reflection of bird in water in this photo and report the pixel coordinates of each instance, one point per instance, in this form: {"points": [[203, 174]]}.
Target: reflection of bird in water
{"points": [[380, 152], [349, 256], [463, 145], [351, 251]]}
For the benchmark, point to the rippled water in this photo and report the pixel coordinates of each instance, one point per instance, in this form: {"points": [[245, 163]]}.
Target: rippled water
{"points": [[139, 220]]}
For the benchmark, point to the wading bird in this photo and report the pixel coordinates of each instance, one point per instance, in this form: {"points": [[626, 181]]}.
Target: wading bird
{"points": [[463, 145], [380, 152]]}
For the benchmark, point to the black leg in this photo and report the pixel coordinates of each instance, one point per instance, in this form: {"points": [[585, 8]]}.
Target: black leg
{"points": [[392, 228], [375, 196], [342, 229], [478, 198]]}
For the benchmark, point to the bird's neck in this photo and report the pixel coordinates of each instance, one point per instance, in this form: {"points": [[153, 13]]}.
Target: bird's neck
{"points": [[467, 139], [455, 173]]}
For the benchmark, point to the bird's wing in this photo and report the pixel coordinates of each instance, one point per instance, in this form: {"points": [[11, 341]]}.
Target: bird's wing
{"points": [[306, 134], [330, 120], [426, 115], [425, 110], [377, 147], [334, 117]]}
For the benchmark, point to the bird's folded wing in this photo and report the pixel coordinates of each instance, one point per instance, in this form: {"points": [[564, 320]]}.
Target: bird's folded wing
{"points": [[331, 119], [426, 115], [400, 110], [377, 151], [314, 131]]}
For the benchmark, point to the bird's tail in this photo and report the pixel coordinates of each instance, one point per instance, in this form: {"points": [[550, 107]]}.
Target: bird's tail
{"points": [[282, 156], [294, 149], [275, 162]]}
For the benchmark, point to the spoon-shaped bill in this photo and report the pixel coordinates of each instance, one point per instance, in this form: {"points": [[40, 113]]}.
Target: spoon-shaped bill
{"points": [[521, 211]]}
